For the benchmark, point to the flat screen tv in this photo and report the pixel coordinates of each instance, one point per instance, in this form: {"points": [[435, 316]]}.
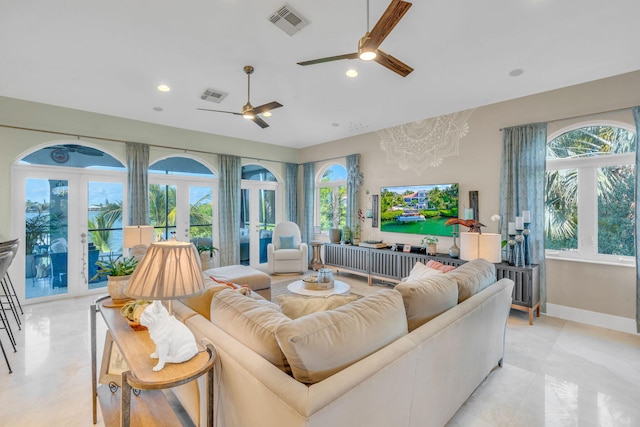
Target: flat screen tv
{"points": [[418, 209]]}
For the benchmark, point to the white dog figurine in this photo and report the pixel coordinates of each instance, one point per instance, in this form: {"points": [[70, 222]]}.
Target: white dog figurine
{"points": [[174, 342]]}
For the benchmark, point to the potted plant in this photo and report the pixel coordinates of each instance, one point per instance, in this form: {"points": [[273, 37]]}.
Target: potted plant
{"points": [[430, 243], [207, 253], [118, 271]]}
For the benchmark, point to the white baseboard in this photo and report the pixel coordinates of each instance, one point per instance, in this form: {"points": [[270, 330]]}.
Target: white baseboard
{"points": [[616, 323]]}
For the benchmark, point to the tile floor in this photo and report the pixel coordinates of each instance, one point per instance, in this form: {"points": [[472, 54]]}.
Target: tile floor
{"points": [[556, 373]]}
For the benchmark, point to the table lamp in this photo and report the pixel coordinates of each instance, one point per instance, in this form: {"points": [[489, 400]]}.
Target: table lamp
{"points": [[481, 245], [168, 271], [137, 238]]}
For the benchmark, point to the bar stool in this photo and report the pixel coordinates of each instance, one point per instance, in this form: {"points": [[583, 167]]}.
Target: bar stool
{"points": [[14, 244], [5, 260], [9, 304]]}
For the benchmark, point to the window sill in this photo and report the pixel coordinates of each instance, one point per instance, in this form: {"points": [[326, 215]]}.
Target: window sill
{"points": [[630, 263]]}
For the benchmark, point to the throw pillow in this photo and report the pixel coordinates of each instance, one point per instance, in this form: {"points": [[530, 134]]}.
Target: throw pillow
{"points": [[420, 270], [427, 298], [294, 306], [473, 276], [252, 322], [440, 266], [323, 343], [286, 242]]}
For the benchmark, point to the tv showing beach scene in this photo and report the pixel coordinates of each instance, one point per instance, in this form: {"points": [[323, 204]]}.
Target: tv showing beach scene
{"points": [[418, 209]]}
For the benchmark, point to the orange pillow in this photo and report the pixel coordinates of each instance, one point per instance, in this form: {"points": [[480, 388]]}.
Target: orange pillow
{"points": [[244, 289], [440, 266]]}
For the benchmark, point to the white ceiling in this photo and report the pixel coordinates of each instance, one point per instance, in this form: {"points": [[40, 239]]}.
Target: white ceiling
{"points": [[108, 57]]}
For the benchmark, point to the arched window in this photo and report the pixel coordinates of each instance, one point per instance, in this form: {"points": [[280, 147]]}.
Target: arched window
{"points": [[331, 197], [589, 200]]}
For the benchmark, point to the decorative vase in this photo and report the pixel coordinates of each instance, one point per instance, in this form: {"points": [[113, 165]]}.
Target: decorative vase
{"points": [[206, 259], [431, 248], [334, 235], [454, 250], [346, 234], [116, 286]]}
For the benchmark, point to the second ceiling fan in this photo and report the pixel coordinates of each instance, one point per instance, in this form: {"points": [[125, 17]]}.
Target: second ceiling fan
{"points": [[249, 111], [368, 45]]}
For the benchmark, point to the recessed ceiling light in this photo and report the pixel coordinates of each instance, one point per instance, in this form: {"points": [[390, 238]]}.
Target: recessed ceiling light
{"points": [[267, 114], [164, 88], [351, 72], [517, 72]]}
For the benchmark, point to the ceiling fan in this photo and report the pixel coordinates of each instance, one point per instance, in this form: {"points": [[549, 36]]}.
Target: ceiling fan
{"points": [[60, 153], [368, 45], [249, 111]]}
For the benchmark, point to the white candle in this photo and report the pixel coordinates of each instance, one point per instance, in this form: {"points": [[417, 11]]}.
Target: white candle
{"points": [[519, 223], [526, 216], [512, 228], [468, 213]]}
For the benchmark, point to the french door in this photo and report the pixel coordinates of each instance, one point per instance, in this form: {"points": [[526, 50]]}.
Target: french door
{"points": [[183, 207], [68, 218], [259, 214]]}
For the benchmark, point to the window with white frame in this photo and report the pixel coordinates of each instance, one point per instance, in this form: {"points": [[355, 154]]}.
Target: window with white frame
{"points": [[331, 197], [590, 194]]}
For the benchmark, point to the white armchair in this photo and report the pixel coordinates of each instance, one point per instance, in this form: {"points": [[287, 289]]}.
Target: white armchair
{"points": [[287, 253]]}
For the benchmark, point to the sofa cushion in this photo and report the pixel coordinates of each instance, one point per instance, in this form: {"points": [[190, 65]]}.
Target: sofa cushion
{"points": [[201, 304], [419, 271], [427, 297], [252, 322], [473, 276], [440, 266], [287, 242], [294, 306], [323, 343]]}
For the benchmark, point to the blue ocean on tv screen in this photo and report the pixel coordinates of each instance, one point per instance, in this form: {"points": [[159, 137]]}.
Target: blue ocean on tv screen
{"points": [[418, 209]]}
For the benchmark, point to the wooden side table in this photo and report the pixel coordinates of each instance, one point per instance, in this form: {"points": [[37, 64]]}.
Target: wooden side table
{"points": [[316, 257], [151, 407]]}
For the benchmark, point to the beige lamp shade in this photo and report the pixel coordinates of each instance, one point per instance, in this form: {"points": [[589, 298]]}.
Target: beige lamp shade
{"points": [[481, 245], [135, 235], [169, 270]]}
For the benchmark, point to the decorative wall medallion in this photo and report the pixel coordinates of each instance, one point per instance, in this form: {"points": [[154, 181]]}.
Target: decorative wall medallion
{"points": [[424, 143]]}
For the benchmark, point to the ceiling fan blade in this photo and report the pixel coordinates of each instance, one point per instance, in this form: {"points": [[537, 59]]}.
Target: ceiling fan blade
{"points": [[89, 151], [257, 120], [220, 111], [394, 64], [330, 58], [266, 107], [394, 13]]}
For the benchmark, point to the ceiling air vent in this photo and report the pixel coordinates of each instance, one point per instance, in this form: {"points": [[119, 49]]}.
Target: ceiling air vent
{"points": [[214, 95], [288, 20]]}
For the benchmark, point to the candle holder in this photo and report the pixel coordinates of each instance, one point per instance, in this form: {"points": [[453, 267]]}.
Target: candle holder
{"points": [[519, 249], [511, 256], [527, 249]]}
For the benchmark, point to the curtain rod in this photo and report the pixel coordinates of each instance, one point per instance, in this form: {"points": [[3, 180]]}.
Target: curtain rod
{"points": [[581, 115], [78, 136]]}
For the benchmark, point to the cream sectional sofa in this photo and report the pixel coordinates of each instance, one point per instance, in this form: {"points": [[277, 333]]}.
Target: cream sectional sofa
{"points": [[361, 364]]}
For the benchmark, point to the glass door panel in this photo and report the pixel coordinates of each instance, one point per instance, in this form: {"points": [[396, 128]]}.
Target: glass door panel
{"points": [[245, 226], [46, 237], [258, 216], [267, 204], [162, 210], [104, 226]]}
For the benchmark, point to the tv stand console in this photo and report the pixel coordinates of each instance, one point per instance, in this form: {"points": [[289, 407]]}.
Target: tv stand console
{"points": [[385, 264]]}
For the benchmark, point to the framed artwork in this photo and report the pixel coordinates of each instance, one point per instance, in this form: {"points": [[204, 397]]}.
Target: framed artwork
{"points": [[375, 208], [473, 204], [113, 364]]}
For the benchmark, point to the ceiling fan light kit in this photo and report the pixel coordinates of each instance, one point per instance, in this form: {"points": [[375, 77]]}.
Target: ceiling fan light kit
{"points": [[368, 46]]}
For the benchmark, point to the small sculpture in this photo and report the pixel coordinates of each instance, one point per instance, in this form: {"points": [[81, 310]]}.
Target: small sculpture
{"points": [[174, 341], [474, 225]]}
